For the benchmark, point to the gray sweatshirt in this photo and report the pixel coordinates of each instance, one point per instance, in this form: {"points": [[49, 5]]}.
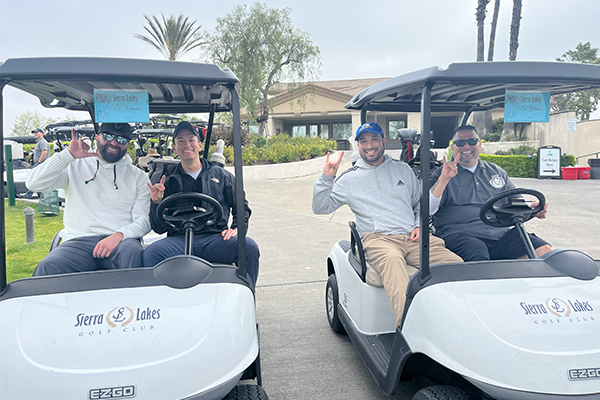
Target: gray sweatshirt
{"points": [[384, 199]]}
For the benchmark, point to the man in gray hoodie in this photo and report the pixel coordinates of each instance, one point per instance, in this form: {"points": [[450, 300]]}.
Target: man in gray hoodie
{"points": [[384, 195]]}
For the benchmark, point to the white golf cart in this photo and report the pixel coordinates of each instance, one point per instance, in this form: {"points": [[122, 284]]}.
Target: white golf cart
{"points": [[185, 329], [509, 329]]}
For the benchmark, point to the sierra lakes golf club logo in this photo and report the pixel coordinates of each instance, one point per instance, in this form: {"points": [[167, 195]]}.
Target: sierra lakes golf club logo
{"points": [[122, 319], [555, 311]]}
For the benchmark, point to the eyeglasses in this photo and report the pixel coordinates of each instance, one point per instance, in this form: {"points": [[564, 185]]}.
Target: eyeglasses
{"points": [[110, 136], [462, 142]]}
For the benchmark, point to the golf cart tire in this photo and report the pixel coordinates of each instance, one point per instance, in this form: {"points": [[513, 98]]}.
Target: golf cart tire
{"points": [[440, 392], [247, 392], [332, 300]]}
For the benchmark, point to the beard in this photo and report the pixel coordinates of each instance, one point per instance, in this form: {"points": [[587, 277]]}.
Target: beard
{"points": [[372, 158], [108, 156]]}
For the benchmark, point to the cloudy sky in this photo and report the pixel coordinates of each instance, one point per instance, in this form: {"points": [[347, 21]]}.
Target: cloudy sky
{"points": [[368, 39]]}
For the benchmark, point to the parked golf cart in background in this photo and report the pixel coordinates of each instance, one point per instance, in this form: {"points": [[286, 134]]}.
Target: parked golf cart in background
{"points": [[506, 329], [185, 329]]}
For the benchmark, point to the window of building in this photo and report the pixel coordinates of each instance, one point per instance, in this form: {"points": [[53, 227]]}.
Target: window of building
{"points": [[393, 126], [341, 131], [325, 131], [299, 131]]}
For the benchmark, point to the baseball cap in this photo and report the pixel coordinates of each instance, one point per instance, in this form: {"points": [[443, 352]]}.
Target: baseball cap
{"points": [[37, 130], [186, 126], [121, 129], [370, 127]]}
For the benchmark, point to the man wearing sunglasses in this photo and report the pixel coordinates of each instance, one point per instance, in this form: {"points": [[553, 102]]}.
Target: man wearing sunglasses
{"points": [[460, 188], [107, 202]]}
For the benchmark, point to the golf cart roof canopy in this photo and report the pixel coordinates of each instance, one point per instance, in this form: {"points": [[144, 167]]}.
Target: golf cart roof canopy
{"points": [[69, 82], [477, 86]]}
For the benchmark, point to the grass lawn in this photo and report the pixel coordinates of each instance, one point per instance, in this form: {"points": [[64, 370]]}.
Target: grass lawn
{"points": [[21, 257]]}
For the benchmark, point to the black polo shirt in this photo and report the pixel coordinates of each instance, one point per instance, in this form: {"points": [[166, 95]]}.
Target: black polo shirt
{"points": [[463, 197]]}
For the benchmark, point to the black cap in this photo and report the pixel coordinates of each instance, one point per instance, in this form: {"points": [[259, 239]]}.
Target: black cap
{"points": [[37, 130], [121, 129], [186, 126]]}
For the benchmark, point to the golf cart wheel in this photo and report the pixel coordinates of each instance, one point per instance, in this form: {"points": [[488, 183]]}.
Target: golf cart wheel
{"points": [[441, 393], [331, 302], [247, 392]]}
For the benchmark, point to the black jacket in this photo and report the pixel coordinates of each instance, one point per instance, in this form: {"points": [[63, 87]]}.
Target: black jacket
{"points": [[213, 181]]}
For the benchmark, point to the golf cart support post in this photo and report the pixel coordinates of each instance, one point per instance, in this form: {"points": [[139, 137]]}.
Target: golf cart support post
{"points": [[69, 83]]}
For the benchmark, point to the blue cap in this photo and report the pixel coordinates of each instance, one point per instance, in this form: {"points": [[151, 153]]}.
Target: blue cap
{"points": [[37, 130], [370, 127]]}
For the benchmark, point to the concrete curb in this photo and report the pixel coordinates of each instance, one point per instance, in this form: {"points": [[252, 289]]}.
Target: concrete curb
{"points": [[283, 171]]}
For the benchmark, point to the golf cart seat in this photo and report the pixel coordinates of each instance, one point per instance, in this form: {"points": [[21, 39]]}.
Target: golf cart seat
{"points": [[367, 273], [56, 241]]}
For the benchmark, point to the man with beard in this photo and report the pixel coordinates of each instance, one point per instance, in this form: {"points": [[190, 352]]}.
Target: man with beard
{"points": [[384, 195], [107, 204], [462, 192]]}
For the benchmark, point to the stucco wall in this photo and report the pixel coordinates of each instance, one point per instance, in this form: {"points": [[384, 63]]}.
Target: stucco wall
{"points": [[585, 140]]}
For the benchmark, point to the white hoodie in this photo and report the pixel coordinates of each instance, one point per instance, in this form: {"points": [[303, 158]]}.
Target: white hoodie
{"points": [[117, 199]]}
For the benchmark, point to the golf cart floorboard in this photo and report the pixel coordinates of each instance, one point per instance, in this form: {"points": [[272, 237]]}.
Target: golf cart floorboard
{"points": [[375, 350]]}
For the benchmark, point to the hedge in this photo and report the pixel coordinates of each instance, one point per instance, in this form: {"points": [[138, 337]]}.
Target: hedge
{"points": [[523, 166]]}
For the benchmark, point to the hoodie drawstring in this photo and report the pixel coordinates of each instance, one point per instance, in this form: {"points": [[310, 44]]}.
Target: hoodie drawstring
{"points": [[115, 177], [114, 174], [94, 177]]}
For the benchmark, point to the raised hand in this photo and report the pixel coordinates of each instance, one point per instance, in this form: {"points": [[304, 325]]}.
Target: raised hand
{"points": [[157, 191], [78, 148], [331, 167], [449, 169]]}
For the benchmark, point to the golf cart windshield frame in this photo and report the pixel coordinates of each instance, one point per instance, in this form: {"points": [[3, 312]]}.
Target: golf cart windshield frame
{"points": [[466, 87], [173, 87]]}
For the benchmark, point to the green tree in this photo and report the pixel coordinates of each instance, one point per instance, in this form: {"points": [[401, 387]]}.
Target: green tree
{"points": [[174, 37], [584, 103], [263, 48], [28, 121]]}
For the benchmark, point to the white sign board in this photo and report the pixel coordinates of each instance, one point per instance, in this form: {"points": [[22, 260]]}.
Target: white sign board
{"points": [[571, 124], [549, 162]]}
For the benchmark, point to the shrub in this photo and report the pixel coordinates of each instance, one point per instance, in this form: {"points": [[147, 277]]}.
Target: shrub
{"points": [[280, 149], [518, 151], [520, 166]]}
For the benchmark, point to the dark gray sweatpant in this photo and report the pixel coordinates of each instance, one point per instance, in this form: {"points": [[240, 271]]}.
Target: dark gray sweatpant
{"points": [[75, 255]]}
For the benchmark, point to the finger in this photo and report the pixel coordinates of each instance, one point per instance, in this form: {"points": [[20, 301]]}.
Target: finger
{"points": [[73, 135], [162, 181], [327, 159], [340, 157], [444, 160]]}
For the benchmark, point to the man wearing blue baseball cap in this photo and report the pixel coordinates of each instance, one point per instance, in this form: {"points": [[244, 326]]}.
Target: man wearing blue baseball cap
{"points": [[384, 195]]}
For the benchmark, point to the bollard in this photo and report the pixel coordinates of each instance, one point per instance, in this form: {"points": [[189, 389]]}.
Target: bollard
{"points": [[29, 234]]}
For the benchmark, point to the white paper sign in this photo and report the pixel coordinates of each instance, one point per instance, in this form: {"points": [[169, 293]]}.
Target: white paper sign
{"points": [[571, 124]]}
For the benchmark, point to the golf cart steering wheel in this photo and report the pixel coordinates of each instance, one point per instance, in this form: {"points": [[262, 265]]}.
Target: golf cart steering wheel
{"points": [[512, 211], [187, 209]]}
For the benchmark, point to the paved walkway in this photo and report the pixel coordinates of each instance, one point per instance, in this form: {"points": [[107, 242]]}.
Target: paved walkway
{"points": [[301, 357]]}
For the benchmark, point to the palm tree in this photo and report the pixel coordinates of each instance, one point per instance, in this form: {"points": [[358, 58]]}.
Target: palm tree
{"points": [[480, 18], [174, 37], [515, 25], [493, 31]]}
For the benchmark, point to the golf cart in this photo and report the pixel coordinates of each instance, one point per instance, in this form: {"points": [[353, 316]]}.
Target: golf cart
{"points": [[507, 329], [185, 329]]}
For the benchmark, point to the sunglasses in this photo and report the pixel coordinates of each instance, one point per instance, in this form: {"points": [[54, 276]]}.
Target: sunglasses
{"points": [[120, 139], [462, 142]]}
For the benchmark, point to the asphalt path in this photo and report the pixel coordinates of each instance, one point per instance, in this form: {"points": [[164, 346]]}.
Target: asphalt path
{"points": [[301, 357]]}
